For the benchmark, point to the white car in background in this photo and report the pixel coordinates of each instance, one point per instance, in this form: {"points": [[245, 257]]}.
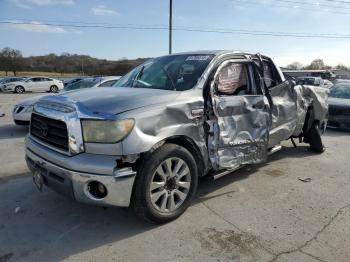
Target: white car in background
{"points": [[45, 84], [22, 111]]}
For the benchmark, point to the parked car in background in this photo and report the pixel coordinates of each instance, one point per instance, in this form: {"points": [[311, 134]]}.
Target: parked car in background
{"points": [[145, 142], [339, 106], [93, 82], [314, 81], [43, 84], [8, 80], [337, 81], [72, 81], [23, 109]]}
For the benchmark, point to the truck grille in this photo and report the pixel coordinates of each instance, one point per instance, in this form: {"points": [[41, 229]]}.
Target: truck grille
{"points": [[51, 131]]}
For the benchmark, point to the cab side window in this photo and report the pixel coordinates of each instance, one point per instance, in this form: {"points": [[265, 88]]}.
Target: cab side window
{"points": [[233, 80]]}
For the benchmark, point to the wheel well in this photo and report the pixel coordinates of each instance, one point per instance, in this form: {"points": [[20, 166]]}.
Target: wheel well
{"points": [[190, 145], [20, 86], [309, 119]]}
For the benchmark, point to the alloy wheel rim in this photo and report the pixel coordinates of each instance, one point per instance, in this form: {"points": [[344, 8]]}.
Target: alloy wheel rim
{"points": [[170, 185]]}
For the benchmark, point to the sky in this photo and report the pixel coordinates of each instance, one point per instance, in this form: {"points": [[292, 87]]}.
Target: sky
{"points": [[46, 29]]}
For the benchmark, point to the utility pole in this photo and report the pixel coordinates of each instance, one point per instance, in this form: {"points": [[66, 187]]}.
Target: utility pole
{"points": [[170, 25], [82, 65]]}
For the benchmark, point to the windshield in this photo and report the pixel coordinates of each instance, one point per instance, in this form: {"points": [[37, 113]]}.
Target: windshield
{"points": [[176, 72], [340, 91]]}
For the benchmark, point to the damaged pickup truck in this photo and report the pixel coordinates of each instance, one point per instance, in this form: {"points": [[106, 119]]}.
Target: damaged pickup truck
{"points": [[145, 142]]}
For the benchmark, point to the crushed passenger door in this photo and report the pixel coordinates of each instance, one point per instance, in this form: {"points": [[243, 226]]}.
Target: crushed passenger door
{"points": [[239, 128], [284, 105]]}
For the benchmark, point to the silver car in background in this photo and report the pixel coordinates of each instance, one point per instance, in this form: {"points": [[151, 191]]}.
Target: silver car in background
{"points": [[90, 82]]}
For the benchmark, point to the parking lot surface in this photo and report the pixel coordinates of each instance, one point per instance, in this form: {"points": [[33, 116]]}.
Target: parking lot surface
{"points": [[295, 207]]}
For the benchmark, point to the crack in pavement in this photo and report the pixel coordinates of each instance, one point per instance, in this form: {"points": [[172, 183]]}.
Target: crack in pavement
{"points": [[297, 249], [237, 228], [311, 255], [312, 239]]}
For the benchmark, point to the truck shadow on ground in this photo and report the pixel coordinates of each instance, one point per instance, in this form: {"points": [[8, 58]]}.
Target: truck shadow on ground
{"points": [[12, 131], [49, 225]]}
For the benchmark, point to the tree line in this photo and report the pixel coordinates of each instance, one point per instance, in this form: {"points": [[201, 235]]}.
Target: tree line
{"points": [[12, 60], [317, 64]]}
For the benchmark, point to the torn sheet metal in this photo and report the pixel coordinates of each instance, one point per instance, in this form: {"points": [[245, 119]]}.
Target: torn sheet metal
{"points": [[310, 96], [318, 96], [283, 113], [239, 133]]}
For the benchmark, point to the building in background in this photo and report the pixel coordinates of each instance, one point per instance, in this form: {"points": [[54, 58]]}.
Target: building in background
{"points": [[324, 74]]}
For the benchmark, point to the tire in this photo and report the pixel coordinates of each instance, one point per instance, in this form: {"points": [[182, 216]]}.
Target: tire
{"points": [[315, 139], [156, 205], [53, 89], [312, 134], [19, 89]]}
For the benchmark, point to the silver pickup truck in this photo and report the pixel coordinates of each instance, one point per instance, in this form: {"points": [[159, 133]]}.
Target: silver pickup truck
{"points": [[145, 142]]}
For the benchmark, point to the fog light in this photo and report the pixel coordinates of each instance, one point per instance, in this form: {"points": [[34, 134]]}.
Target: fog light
{"points": [[101, 188], [97, 189]]}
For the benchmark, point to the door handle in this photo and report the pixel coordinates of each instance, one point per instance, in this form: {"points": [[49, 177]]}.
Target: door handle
{"points": [[197, 113]]}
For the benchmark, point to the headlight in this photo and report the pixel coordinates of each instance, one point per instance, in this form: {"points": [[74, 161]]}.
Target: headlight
{"points": [[28, 109], [101, 131]]}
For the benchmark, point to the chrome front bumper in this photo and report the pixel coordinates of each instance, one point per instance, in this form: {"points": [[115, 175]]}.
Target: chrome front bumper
{"points": [[59, 175]]}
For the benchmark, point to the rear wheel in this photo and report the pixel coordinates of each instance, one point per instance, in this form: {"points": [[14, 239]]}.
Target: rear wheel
{"points": [[53, 89], [315, 139], [19, 89], [312, 134], [165, 185]]}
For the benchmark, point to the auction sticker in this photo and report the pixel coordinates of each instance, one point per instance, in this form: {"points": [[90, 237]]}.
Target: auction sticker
{"points": [[197, 58]]}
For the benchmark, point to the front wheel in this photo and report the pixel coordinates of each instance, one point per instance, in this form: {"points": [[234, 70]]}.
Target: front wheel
{"points": [[165, 185]]}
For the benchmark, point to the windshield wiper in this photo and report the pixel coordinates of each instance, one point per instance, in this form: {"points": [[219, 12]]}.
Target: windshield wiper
{"points": [[138, 76], [171, 80]]}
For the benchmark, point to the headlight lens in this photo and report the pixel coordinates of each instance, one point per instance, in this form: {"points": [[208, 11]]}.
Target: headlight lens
{"points": [[101, 131], [28, 109]]}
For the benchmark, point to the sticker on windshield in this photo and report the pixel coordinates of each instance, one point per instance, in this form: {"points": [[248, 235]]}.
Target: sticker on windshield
{"points": [[197, 58]]}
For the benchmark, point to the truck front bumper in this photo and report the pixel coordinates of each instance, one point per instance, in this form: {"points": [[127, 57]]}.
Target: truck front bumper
{"points": [[61, 173]]}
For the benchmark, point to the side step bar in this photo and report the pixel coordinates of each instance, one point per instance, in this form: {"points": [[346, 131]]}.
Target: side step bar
{"points": [[274, 149], [220, 174]]}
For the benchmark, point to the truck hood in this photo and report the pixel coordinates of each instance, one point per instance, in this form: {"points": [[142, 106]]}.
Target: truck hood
{"points": [[113, 100]]}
